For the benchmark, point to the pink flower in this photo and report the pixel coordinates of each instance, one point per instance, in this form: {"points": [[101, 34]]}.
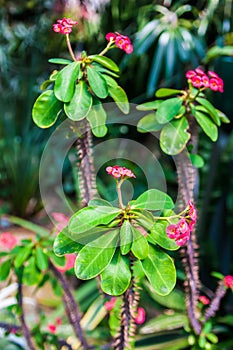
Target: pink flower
{"points": [[69, 263], [64, 25], [204, 300], [214, 84], [58, 321], [190, 74], [196, 81], [199, 71], [109, 305], [183, 226], [121, 41], [52, 328], [172, 231], [8, 241], [118, 171], [62, 220], [192, 212], [213, 74], [228, 281], [141, 316], [182, 239], [205, 81]]}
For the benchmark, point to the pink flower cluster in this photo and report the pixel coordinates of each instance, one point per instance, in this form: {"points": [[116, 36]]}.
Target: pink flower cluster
{"points": [[119, 171], [7, 241], [52, 328], [228, 281], [181, 231], [200, 79], [64, 26], [121, 41]]}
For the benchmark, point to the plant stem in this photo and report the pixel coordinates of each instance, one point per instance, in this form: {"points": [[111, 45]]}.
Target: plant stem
{"points": [[71, 306], [121, 205], [215, 303], [24, 327], [108, 47], [70, 47]]}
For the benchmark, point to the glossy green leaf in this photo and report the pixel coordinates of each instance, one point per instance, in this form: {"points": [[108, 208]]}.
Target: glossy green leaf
{"points": [[207, 125], [158, 236], [165, 322], [81, 103], [5, 268], [41, 259], [144, 218], [105, 61], [140, 246], [160, 271], [110, 81], [152, 200], [65, 83], [97, 82], [115, 279], [89, 217], [168, 109], [94, 315], [149, 124], [23, 255], [164, 92], [174, 300], [63, 244], [31, 275], [46, 109], [97, 118], [126, 237], [210, 108], [174, 136], [59, 61], [196, 160], [120, 98], [222, 116], [148, 106], [96, 255], [101, 70]]}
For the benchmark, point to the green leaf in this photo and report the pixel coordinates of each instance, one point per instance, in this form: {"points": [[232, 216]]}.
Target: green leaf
{"points": [[65, 83], [97, 82], [120, 98], [46, 109], [63, 244], [97, 118], [164, 92], [5, 268], [89, 217], [168, 109], [209, 128], [31, 275], [39, 230], [174, 136], [174, 300], [148, 106], [144, 218], [126, 237], [41, 259], [59, 61], [152, 200], [110, 81], [105, 61], [222, 116], [81, 103], [210, 108], [162, 323], [96, 255], [196, 160], [158, 236], [149, 123], [22, 255], [160, 271], [140, 246], [99, 202], [94, 315], [115, 279]]}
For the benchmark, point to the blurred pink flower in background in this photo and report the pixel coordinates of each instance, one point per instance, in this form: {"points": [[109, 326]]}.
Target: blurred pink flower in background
{"points": [[8, 241]]}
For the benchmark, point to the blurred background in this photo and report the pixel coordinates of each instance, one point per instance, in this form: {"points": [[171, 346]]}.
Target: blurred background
{"points": [[169, 37]]}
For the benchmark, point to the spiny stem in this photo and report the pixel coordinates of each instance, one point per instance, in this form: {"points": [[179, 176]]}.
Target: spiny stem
{"points": [[70, 306], [24, 327], [70, 47], [215, 303]]}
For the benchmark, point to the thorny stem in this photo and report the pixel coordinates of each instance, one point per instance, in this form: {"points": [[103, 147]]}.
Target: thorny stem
{"points": [[24, 327], [71, 306], [70, 47], [214, 305]]}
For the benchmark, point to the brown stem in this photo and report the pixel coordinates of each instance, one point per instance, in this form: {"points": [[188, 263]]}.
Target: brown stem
{"points": [[24, 327], [71, 307], [70, 47], [85, 165]]}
